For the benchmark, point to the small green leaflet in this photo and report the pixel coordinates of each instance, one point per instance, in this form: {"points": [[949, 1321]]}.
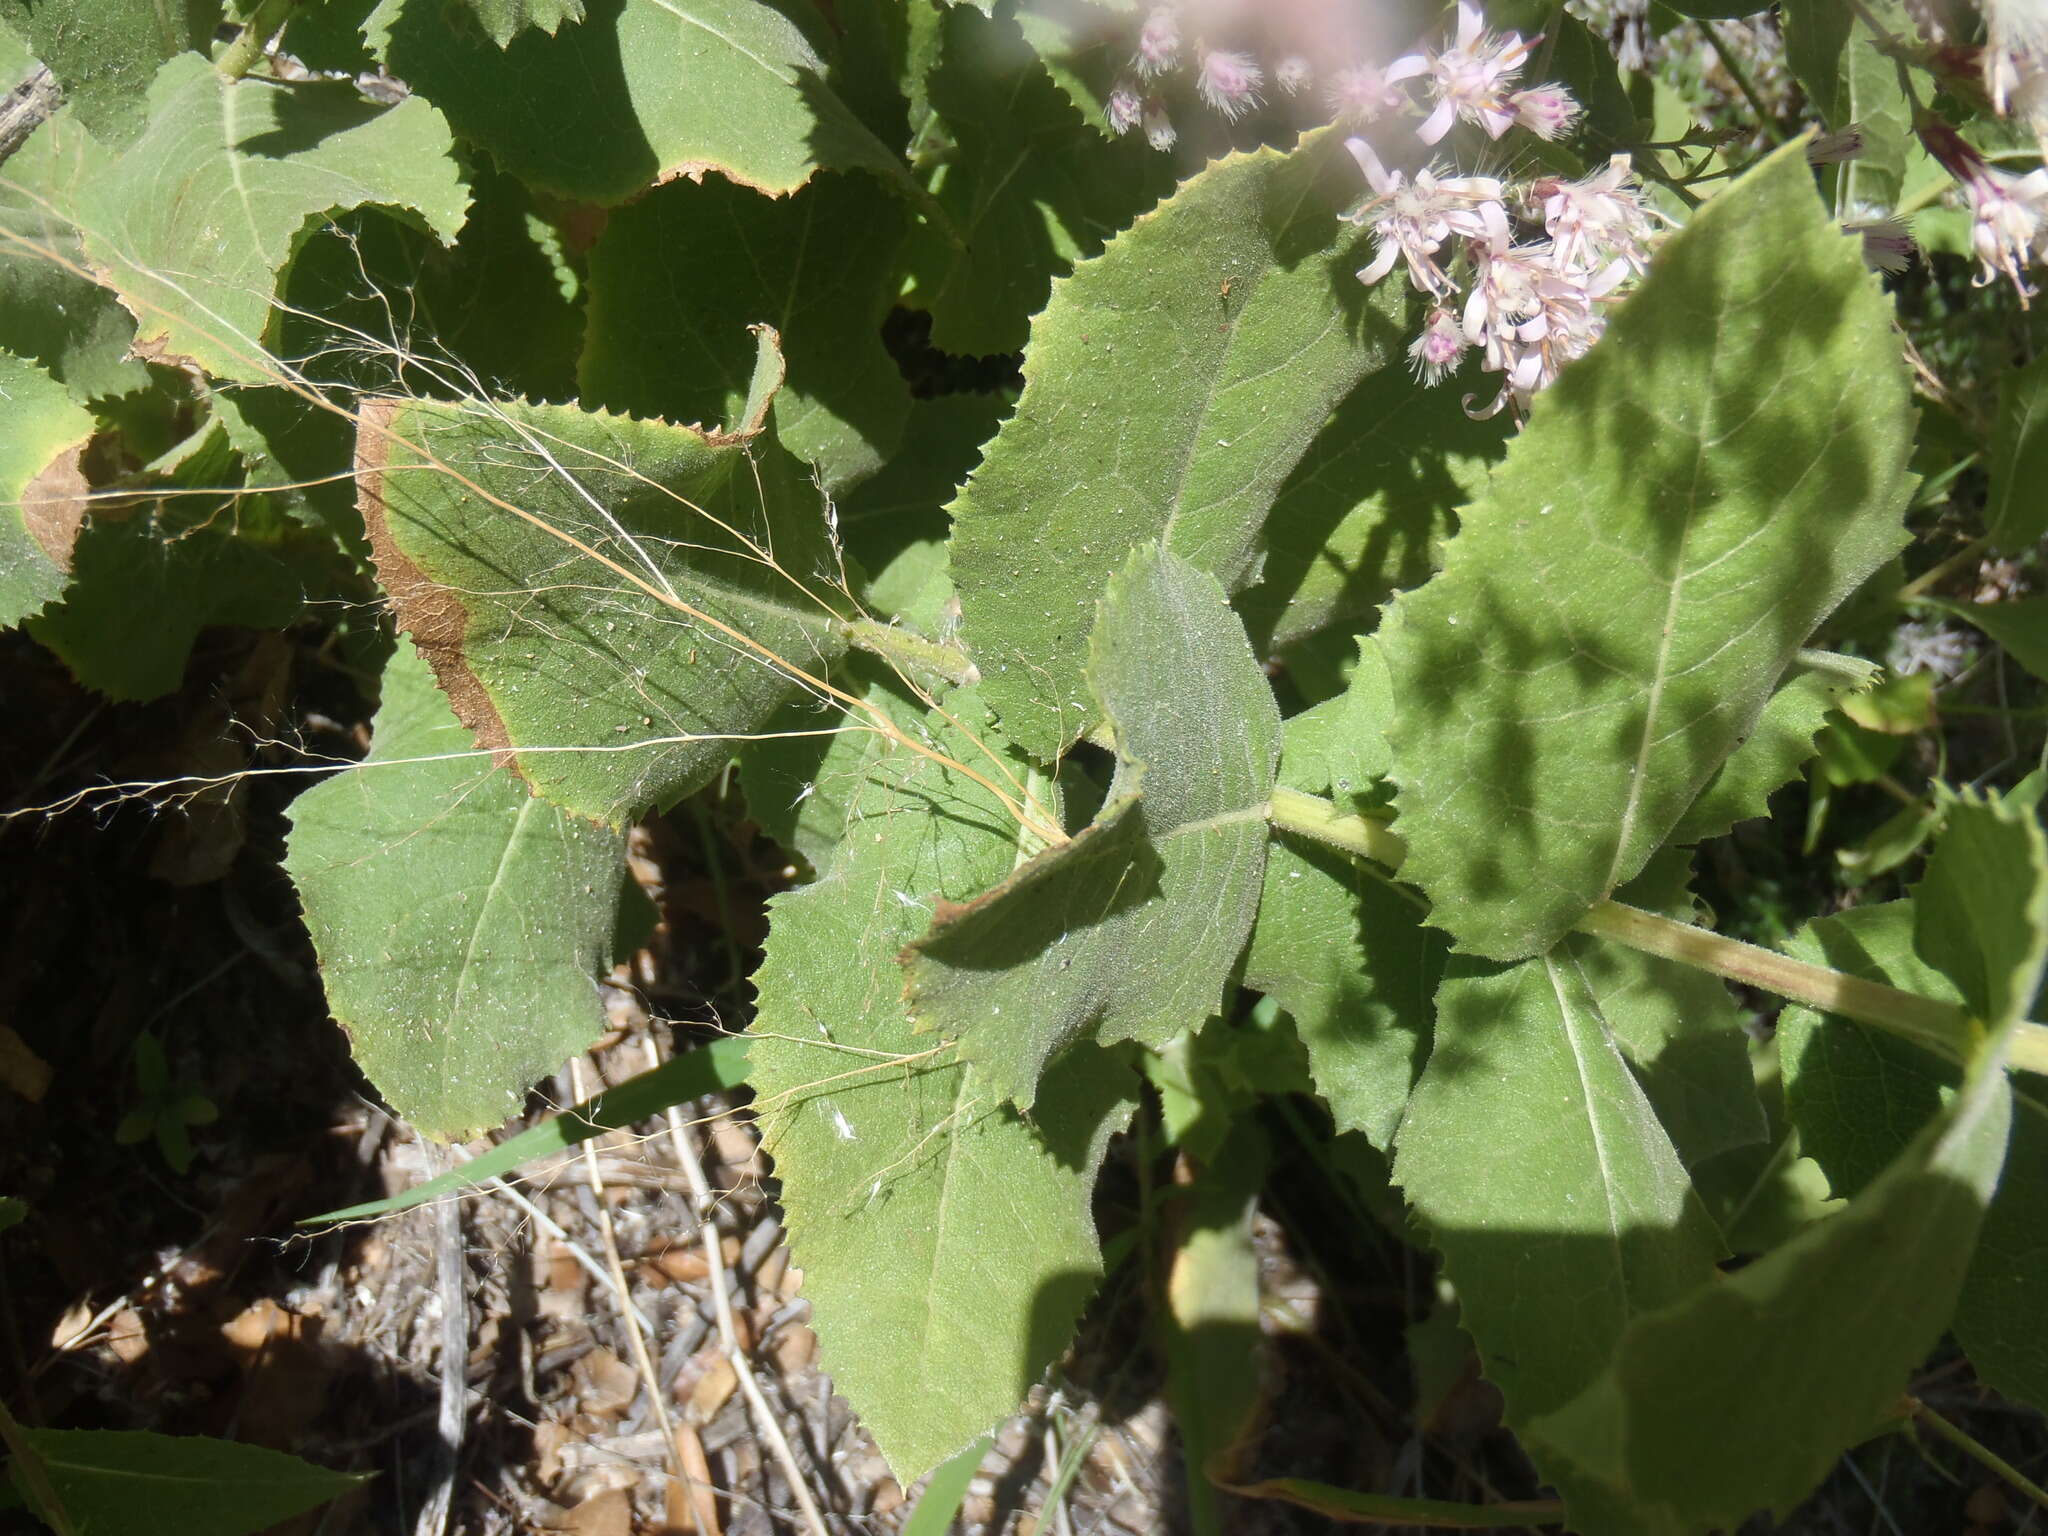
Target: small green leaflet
{"points": [[640, 92], [39, 428], [619, 678], [196, 222], [1556, 1197], [947, 1244], [461, 922], [1779, 746], [1171, 385], [138, 1483], [1825, 1330], [1617, 609], [1981, 913], [1131, 930], [2019, 625]]}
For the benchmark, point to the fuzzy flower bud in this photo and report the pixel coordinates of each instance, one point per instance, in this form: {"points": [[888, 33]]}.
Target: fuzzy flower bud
{"points": [[1229, 82], [1158, 42], [1124, 110], [1363, 94], [1436, 352], [1548, 111], [1293, 74], [1159, 131]]}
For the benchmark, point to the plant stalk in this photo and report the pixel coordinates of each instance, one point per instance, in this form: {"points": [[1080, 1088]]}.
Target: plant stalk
{"points": [[903, 648], [1938, 1026], [246, 51], [1977, 1452]]}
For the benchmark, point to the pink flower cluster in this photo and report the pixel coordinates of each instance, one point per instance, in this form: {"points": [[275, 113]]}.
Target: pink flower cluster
{"points": [[1528, 303], [1475, 78], [2008, 212]]}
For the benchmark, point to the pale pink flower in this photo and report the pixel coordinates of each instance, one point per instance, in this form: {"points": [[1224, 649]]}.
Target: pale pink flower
{"points": [[1293, 74], [1229, 82], [2009, 227], [1469, 79], [1436, 352], [1529, 318], [1599, 219], [1363, 94], [1158, 42], [1548, 111], [1411, 220], [1124, 110], [2016, 60]]}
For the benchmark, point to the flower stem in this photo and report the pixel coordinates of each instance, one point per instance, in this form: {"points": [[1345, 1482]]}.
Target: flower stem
{"points": [[1742, 81], [1982, 1454], [1938, 1026]]}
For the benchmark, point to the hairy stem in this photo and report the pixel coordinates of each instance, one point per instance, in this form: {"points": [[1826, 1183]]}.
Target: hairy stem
{"points": [[1939, 1026], [246, 51], [893, 643]]}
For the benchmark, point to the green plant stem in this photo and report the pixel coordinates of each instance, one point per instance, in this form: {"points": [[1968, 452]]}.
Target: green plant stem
{"points": [[1939, 1026], [905, 649], [1977, 1452], [1742, 81], [28, 1466], [246, 51], [1934, 576]]}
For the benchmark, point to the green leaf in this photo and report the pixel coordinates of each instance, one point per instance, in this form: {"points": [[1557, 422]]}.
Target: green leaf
{"points": [[2020, 626], [1362, 514], [50, 311], [1981, 913], [40, 433], [1860, 1095], [146, 582], [1680, 512], [104, 52], [1777, 748], [639, 92], [675, 278], [612, 694], [1825, 1329], [13, 1211], [1343, 948], [702, 1069], [197, 221], [1558, 1201], [460, 921], [144, 1484], [501, 20], [1340, 746], [1159, 407], [2015, 507], [947, 1243], [1834, 54], [905, 502], [1030, 187], [1132, 929]]}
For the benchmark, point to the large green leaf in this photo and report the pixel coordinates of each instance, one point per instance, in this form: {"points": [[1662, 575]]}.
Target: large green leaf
{"points": [[39, 428], [1171, 385], [620, 678], [1981, 914], [2016, 503], [1859, 1096], [1825, 1329], [500, 20], [1558, 1201], [50, 310], [1835, 55], [1777, 748], [638, 92], [676, 278], [1030, 186], [144, 1484], [195, 223], [947, 1243], [460, 921], [103, 52], [1132, 929], [1680, 512]]}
